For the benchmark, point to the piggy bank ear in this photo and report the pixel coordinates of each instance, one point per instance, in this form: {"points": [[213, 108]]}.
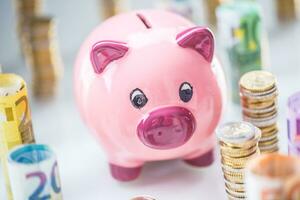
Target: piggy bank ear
{"points": [[104, 52], [198, 38]]}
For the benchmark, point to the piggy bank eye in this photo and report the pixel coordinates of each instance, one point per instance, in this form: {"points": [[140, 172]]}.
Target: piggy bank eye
{"points": [[138, 98], [185, 92]]}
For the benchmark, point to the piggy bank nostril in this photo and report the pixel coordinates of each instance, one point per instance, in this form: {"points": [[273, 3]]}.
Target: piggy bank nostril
{"points": [[177, 130], [159, 133]]}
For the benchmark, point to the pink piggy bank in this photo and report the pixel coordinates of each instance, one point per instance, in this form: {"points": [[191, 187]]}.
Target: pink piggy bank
{"points": [[148, 86]]}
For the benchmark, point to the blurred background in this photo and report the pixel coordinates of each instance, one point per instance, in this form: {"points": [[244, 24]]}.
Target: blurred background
{"points": [[56, 122]]}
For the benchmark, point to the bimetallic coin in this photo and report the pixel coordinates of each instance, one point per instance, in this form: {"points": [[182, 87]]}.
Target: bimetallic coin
{"points": [[257, 81], [236, 132], [262, 110], [261, 123], [262, 95]]}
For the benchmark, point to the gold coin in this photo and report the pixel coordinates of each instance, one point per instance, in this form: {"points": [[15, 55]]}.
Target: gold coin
{"points": [[268, 143], [232, 187], [233, 184], [239, 146], [257, 81], [235, 194], [267, 129], [237, 163], [234, 170], [274, 150], [234, 198], [241, 158], [229, 173], [236, 149], [234, 178], [262, 110], [240, 154], [260, 116], [234, 165], [249, 100], [237, 182], [257, 106], [234, 157], [268, 138]]}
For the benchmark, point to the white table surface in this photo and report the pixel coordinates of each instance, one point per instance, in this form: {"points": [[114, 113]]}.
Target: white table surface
{"points": [[83, 168]]}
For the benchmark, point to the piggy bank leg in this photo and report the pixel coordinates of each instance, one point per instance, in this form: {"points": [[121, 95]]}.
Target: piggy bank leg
{"points": [[202, 160], [121, 173]]}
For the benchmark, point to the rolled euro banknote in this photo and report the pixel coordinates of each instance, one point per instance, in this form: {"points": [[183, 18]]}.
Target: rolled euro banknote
{"points": [[273, 176], [293, 124], [15, 120], [15, 117], [33, 173]]}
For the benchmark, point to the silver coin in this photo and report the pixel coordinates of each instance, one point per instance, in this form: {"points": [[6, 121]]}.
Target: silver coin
{"points": [[236, 132]]}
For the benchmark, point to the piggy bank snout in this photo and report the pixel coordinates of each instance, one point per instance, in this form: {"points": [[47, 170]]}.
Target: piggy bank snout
{"points": [[167, 128]]}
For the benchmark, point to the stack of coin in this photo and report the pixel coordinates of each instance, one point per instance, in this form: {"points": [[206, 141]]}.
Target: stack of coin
{"points": [[273, 176], [293, 124], [46, 63], [210, 10], [108, 8], [25, 9], [238, 143], [258, 93], [15, 118], [288, 9]]}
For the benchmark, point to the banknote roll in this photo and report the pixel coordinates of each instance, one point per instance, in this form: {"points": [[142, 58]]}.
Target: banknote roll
{"points": [[273, 176], [242, 35], [33, 173], [15, 116], [293, 124], [15, 119]]}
